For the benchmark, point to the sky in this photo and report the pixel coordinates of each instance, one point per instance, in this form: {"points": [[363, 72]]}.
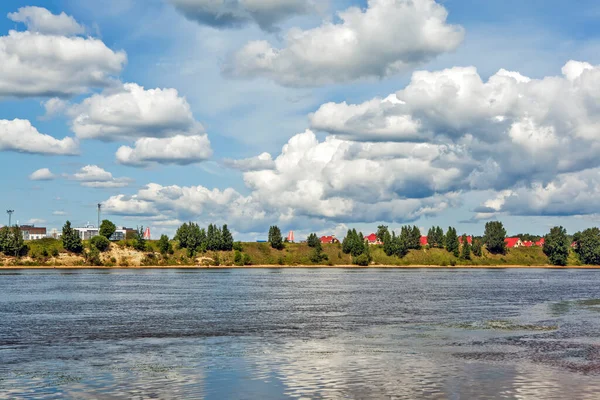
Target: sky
{"points": [[316, 116]]}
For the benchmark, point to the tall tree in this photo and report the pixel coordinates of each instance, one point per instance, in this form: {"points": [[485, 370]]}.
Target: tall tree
{"points": [[164, 245], [556, 246], [382, 230], [466, 248], [107, 229], [71, 239], [440, 237], [477, 250], [275, 238], [494, 236], [588, 246], [313, 240], [452, 244], [139, 243], [226, 239]]}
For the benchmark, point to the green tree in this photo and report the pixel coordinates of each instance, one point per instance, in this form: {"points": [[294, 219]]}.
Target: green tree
{"points": [[477, 248], [382, 232], [275, 238], [107, 229], [494, 236], [139, 243], [92, 257], [226, 239], [440, 237], [71, 239], [414, 238], [164, 245], [466, 248], [452, 245], [313, 240], [556, 246], [100, 242], [12, 243], [588, 246]]}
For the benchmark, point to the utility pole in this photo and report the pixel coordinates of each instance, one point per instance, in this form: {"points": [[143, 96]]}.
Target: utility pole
{"points": [[99, 207], [10, 213]]}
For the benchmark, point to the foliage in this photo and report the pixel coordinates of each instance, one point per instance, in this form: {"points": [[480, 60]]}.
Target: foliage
{"points": [[435, 237], [226, 239], [477, 248], [466, 248], [313, 240], [71, 239], [494, 236], [556, 246], [164, 246], [412, 237], [382, 233], [396, 245], [362, 260], [354, 243], [587, 246], [237, 258], [92, 256], [452, 244], [191, 237], [275, 238], [238, 246], [100, 242], [107, 229], [12, 243], [139, 243]]}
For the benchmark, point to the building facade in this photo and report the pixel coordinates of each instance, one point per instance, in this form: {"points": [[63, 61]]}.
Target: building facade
{"points": [[31, 232]]}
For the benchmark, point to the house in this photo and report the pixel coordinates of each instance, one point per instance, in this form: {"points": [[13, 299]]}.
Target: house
{"points": [[540, 243], [469, 239], [329, 239], [423, 241], [372, 239], [528, 243], [121, 234], [31, 232], [87, 232], [513, 242]]}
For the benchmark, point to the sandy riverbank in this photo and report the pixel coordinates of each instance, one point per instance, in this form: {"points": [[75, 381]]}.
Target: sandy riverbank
{"points": [[67, 267]]}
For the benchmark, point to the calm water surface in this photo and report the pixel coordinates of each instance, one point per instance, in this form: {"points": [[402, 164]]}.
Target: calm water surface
{"points": [[277, 334]]}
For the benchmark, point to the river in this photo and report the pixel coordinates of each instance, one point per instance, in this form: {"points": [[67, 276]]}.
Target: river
{"points": [[300, 333]]}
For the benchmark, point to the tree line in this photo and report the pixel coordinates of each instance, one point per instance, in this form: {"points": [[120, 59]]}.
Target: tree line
{"points": [[195, 239]]}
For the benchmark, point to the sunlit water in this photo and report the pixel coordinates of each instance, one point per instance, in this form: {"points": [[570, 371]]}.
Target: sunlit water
{"points": [[273, 334]]}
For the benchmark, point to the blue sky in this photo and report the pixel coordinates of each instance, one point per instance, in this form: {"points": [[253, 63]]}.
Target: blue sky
{"points": [[344, 173]]}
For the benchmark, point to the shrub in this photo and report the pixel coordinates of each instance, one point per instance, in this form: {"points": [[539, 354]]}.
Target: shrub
{"points": [[246, 259], [237, 246], [237, 258], [100, 242], [92, 257], [362, 260], [55, 252]]}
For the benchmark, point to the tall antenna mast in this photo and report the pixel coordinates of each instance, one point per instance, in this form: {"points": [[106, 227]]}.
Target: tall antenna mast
{"points": [[10, 213], [99, 207]]}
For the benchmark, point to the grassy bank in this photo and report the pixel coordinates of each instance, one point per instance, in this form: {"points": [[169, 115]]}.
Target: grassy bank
{"points": [[49, 252]]}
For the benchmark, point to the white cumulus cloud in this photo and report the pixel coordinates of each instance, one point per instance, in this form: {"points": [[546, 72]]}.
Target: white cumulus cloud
{"points": [[97, 177], [20, 136], [39, 19], [260, 162], [46, 61], [182, 150], [43, 174], [131, 112], [386, 38]]}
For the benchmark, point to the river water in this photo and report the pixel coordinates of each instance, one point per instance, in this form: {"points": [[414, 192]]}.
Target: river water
{"points": [[300, 333]]}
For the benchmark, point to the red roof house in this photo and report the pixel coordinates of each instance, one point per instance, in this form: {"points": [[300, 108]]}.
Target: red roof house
{"points": [[513, 242], [540, 243], [423, 241], [528, 243], [372, 239], [469, 239], [329, 239]]}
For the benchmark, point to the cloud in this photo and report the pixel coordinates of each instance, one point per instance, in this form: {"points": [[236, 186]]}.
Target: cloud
{"points": [[131, 112], [38, 19], [386, 38], [55, 106], [43, 174], [223, 14], [59, 213], [314, 183], [260, 162], [43, 63], [36, 221], [181, 150], [20, 136], [96, 177]]}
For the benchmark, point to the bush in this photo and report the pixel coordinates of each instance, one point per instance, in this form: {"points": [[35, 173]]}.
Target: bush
{"points": [[44, 252], [237, 246], [362, 260], [237, 258], [100, 242], [92, 257], [55, 252], [246, 259]]}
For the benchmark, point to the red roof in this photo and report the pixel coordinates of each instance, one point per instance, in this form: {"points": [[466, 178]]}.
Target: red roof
{"points": [[372, 238], [327, 239], [424, 241], [469, 239], [528, 243], [511, 242], [540, 242]]}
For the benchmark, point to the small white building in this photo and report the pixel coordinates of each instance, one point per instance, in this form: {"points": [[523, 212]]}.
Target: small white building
{"points": [[31, 232], [87, 232]]}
